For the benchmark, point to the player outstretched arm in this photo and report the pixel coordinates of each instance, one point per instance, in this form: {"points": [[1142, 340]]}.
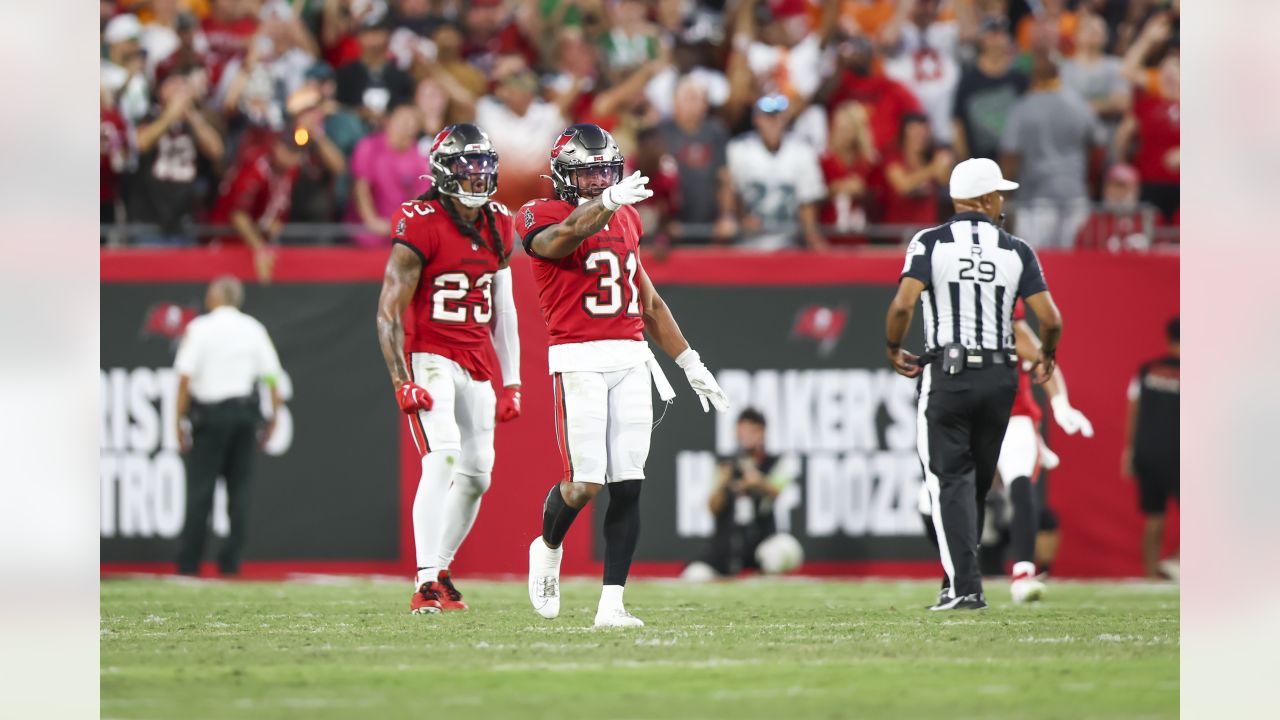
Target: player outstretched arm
{"points": [[560, 240], [398, 284], [1050, 319], [661, 325], [1071, 420], [506, 344]]}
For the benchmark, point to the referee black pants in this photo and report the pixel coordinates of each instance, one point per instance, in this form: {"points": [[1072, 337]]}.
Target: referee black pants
{"points": [[961, 421], [223, 442]]}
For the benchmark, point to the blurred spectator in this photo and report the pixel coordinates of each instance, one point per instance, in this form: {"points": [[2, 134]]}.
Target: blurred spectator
{"points": [[191, 48], [658, 214], [698, 143], [229, 28], [254, 198], [315, 192], [914, 176], [387, 170], [777, 181], [868, 17], [449, 60], [1056, 21], [688, 61], [1096, 76], [159, 38], [420, 17], [339, 23], [923, 55], [848, 168], [782, 52], [170, 140], [1120, 224], [631, 40], [123, 74], [522, 126], [742, 501], [371, 85], [1046, 147], [490, 33], [255, 86], [114, 154], [887, 101], [1151, 133], [988, 90]]}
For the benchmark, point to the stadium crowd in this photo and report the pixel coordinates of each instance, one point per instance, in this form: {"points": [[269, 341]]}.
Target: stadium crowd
{"points": [[767, 123]]}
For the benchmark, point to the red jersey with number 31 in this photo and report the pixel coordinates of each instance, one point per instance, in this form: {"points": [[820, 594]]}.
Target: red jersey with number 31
{"points": [[1024, 403], [452, 307], [591, 294]]}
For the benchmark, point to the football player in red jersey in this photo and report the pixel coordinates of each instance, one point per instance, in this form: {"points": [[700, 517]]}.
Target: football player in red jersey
{"points": [[1022, 453], [448, 266], [598, 304]]}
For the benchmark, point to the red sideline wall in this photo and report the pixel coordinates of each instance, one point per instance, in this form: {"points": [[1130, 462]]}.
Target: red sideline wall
{"points": [[1115, 308]]}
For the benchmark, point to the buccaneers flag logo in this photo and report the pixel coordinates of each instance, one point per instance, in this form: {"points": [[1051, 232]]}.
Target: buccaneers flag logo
{"points": [[561, 141]]}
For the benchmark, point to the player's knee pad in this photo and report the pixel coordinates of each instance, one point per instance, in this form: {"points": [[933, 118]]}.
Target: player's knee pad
{"points": [[476, 459], [477, 484]]}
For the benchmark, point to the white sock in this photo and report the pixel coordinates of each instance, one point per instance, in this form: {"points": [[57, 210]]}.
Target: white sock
{"points": [[428, 508], [611, 597], [1024, 569], [461, 504]]}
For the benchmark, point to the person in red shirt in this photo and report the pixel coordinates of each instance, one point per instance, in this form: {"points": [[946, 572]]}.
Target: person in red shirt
{"points": [[598, 303], [255, 197], [887, 101], [848, 168], [1154, 128], [228, 30], [449, 269], [114, 148], [1121, 224], [914, 175], [1022, 453]]}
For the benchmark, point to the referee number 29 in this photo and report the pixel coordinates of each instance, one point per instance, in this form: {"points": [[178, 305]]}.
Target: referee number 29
{"points": [[986, 270]]}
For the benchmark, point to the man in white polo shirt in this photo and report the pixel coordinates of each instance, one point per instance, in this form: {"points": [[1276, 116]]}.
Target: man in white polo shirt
{"points": [[222, 356]]}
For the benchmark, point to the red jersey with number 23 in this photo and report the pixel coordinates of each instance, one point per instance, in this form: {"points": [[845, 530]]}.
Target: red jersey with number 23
{"points": [[1024, 403], [591, 294], [452, 307]]}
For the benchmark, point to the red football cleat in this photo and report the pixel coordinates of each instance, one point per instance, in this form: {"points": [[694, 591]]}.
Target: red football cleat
{"points": [[450, 598], [426, 600]]}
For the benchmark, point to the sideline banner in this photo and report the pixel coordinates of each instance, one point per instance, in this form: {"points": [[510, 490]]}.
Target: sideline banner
{"points": [[796, 335]]}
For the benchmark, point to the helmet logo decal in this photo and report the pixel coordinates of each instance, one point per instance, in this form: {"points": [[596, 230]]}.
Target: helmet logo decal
{"points": [[564, 138], [440, 138]]}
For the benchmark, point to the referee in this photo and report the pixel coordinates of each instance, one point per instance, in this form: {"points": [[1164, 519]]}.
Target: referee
{"points": [[967, 273], [222, 356]]}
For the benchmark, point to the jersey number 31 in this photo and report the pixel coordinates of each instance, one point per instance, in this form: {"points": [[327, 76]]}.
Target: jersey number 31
{"points": [[610, 296]]}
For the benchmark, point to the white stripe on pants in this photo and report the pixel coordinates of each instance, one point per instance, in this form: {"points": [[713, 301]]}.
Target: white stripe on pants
{"points": [[931, 480]]}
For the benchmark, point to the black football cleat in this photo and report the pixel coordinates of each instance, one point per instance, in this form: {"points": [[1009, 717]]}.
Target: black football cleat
{"points": [[974, 601]]}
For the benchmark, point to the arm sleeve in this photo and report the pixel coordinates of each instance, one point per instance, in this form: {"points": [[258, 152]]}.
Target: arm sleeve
{"points": [[1032, 281], [268, 360], [918, 263], [187, 358], [506, 331]]}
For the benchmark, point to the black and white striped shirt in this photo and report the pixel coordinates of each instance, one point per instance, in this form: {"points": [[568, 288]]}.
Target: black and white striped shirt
{"points": [[973, 271]]}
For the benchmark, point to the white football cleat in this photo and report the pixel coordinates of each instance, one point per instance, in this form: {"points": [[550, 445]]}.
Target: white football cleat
{"points": [[544, 578], [1025, 590], [617, 618]]}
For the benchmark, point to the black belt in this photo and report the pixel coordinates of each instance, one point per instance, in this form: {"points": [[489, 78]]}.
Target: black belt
{"points": [[974, 359]]}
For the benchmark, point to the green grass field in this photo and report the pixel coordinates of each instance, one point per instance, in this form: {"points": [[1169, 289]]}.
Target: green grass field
{"points": [[751, 649]]}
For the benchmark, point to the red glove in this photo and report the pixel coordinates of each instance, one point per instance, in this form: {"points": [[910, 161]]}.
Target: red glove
{"points": [[413, 397], [509, 403]]}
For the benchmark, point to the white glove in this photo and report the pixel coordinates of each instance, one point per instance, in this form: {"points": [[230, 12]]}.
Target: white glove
{"points": [[1071, 420], [1048, 458], [628, 191], [702, 381]]}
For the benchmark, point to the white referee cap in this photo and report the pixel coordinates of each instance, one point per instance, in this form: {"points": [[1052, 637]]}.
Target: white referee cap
{"points": [[976, 177]]}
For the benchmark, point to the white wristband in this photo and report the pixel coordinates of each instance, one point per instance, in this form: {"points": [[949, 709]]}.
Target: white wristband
{"points": [[687, 358], [1059, 403], [607, 201]]}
